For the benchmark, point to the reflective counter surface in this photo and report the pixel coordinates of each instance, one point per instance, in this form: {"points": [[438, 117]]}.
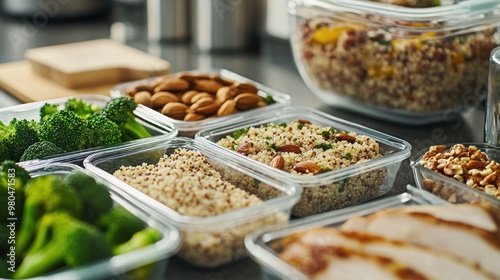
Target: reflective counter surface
{"points": [[270, 63]]}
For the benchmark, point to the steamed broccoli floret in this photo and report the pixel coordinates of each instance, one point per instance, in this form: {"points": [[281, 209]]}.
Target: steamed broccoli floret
{"points": [[66, 130], [81, 108], [41, 150], [94, 195], [44, 194], [140, 239], [15, 137], [119, 225], [103, 132], [47, 110], [120, 110], [63, 240]]}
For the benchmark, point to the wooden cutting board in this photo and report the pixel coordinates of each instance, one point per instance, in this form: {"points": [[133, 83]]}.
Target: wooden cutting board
{"points": [[71, 69]]}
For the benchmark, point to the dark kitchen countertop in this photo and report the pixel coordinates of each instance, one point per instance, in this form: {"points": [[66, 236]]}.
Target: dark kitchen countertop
{"points": [[271, 65]]}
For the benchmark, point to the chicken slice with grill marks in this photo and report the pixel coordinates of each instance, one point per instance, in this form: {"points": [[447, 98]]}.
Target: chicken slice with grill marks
{"points": [[424, 228], [431, 263], [342, 263]]}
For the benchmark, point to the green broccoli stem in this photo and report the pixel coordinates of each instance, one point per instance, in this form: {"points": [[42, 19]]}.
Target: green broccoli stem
{"points": [[140, 239], [43, 261], [28, 227], [132, 129]]}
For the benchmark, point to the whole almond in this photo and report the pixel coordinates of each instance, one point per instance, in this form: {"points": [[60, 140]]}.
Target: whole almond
{"points": [[278, 162], [200, 95], [159, 99], [227, 108], [307, 167], [345, 137], [172, 84], [208, 109], [138, 88], [245, 88], [188, 96], [224, 93], [190, 117], [175, 110], [247, 101], [204, 101], [289, 148], [210, 86], [245, 148], [143, 97]]}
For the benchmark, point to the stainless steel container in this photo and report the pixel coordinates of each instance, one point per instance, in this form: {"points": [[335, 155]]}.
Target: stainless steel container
{"points": [[167, 20], [221, 25]]}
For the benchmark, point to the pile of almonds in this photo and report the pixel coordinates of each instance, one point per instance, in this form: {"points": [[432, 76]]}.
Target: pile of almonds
{"points": [[194, 97]]}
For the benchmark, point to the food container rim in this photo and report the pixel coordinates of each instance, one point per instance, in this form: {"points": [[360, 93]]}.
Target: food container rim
{"points": [[458, 12], [255, 243], [282, 99], [31, 109], [292, 193], [418, 169], [403, 147], [161, 250]]}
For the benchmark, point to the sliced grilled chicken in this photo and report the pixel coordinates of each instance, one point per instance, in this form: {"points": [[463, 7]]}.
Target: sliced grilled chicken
{"points": [[431, 263], [342, 263], [463, 240], [469, 214]]}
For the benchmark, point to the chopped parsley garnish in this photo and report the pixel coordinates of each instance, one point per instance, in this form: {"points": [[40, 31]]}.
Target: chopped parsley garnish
{"points": [[269, 138], [238, 133], [300, 125], [347, 156], [282, 124], [324, 146], [272, 146], [325, 134]]}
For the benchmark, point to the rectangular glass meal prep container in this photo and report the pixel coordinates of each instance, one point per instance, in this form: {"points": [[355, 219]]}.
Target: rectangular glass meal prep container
{"points": [[31, 111], [259, 244], [401, 64], [450, 189], [152, 258], [189, 128], [210, 241], [326, 191]]}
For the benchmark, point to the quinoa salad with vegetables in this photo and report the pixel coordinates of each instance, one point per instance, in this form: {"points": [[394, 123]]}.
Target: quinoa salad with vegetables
{"points": [[299, 142], [400, 68], [301, 148], [187, 182]]}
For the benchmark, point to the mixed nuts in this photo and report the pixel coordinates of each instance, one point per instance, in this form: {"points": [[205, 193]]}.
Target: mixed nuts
{"points": [[194, 97]]}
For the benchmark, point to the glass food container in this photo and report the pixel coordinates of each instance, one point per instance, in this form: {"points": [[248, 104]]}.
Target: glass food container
{"points": [[212, 80], [336, 162], [149, 262], [31, 111], [213, 229], [402, 64]]}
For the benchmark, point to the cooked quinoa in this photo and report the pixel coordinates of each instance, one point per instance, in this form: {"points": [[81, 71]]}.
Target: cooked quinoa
{"points": [[425, 72], [186, 182], [321, 146]]}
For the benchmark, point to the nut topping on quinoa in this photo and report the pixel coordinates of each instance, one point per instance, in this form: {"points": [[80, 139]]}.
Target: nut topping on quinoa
{"points": [[322, 148], [277, 162], [307, 167]]}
